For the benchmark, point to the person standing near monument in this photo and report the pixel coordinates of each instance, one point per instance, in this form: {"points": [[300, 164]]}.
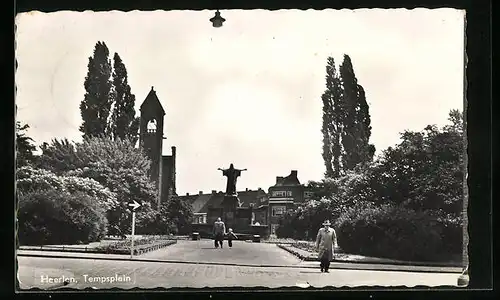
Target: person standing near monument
{"points": [[325, 242], [219, 231]]}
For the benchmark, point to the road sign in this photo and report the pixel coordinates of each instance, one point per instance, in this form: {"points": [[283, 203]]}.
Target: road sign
{"points": [[134, 206]]}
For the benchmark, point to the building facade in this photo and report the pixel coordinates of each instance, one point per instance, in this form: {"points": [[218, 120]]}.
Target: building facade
{"points": [[285, 195], [162, 170]]}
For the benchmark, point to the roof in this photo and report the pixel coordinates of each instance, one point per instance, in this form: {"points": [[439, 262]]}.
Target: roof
{"points": [[200, 202], [152, 102], [290, 180]]}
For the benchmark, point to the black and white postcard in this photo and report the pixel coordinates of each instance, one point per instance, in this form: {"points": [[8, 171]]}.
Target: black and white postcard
{"points": [[241, 148]]}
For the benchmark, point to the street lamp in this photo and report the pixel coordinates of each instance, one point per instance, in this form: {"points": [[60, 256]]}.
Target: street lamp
{"points": [[217, 20]]}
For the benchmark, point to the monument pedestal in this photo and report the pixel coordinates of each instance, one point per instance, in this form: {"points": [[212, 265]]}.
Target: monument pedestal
{"points": [[229, 206]]}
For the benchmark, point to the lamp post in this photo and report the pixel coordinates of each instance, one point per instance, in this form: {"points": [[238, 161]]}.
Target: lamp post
{"points": [[217, 20]]}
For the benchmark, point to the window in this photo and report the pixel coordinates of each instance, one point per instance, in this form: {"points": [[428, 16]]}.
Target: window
{"points": [[279, 194], [151, 126], [308, 194], [278, 210], [200, 219]]}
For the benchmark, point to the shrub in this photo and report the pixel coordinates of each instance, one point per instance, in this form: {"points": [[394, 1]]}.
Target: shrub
{"points": [[397, 233], [306, 220], [54, 217], [31, 179]]}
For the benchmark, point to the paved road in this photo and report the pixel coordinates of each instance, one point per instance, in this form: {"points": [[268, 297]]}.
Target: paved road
{"points": [[36, 271], [243, 253], [46, 272]]}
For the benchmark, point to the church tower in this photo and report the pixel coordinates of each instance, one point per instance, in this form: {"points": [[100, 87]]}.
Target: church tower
{"points": [[151, 137]]}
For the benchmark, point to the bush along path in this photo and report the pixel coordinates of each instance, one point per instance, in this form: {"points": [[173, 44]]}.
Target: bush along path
{"points": [[141, 246], [305, 252]]}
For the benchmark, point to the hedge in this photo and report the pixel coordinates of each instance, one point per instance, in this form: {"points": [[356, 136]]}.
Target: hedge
{"points": [[398, 233], [55, 217]]}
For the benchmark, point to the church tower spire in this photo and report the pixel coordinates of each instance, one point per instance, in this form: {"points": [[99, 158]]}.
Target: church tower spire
{"points": [[151, 136]]}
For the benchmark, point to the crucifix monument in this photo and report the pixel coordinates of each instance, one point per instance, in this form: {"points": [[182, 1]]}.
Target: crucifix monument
{"points": [[231, 201], [232, 175]]}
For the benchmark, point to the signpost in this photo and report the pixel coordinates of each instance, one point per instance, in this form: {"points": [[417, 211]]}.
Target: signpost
{"points": [[134, 206]]}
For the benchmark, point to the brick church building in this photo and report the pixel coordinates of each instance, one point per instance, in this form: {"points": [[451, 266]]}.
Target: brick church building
{"points": [[151, 138]]}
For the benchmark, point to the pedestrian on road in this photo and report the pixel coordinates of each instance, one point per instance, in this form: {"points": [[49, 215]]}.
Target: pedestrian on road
{"points": [[325, 241], [230, 237], [219, 231]]}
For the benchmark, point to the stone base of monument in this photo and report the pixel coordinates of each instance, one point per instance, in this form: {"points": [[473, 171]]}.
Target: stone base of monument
{"points": [[238, 218], [230, 202]]}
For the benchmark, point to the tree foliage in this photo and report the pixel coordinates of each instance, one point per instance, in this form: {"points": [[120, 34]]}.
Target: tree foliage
{"points": [[332, 121], [24, 146], [95, 108], [346, 125], [419, 180], [180, 213], [52, 216], [30, 180], [108, 108], [356, 119], [59, 156], [425, 170], [116, 164], [124, 123]]}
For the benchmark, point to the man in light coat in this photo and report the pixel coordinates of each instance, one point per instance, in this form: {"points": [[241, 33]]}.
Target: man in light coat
{"points": [[219, 231], [325, 242]]}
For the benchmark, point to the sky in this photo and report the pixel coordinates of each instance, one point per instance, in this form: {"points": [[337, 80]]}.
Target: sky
{"points": [[249, 92]]}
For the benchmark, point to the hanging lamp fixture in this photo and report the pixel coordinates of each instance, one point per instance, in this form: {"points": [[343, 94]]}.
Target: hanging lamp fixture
{"points": [[217, 20]]}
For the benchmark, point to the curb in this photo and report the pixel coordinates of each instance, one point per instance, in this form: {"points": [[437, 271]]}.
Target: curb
{"points": [[312, 257]]}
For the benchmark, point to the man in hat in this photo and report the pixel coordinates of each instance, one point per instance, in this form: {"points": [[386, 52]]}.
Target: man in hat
{"points": [[219, 231], [325, 241]]}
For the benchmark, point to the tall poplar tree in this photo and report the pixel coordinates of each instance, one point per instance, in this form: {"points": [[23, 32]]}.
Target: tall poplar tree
{"points": [[366, 150], [124, 123], [96, 106], [356, 119], [332, 121]]}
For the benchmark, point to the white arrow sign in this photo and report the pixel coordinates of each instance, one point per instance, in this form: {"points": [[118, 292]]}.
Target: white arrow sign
{"points": [[134, 205]]}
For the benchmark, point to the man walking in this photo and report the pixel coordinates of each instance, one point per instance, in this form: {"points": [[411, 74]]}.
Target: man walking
{"points": [[219, 231], [325, 241]]}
